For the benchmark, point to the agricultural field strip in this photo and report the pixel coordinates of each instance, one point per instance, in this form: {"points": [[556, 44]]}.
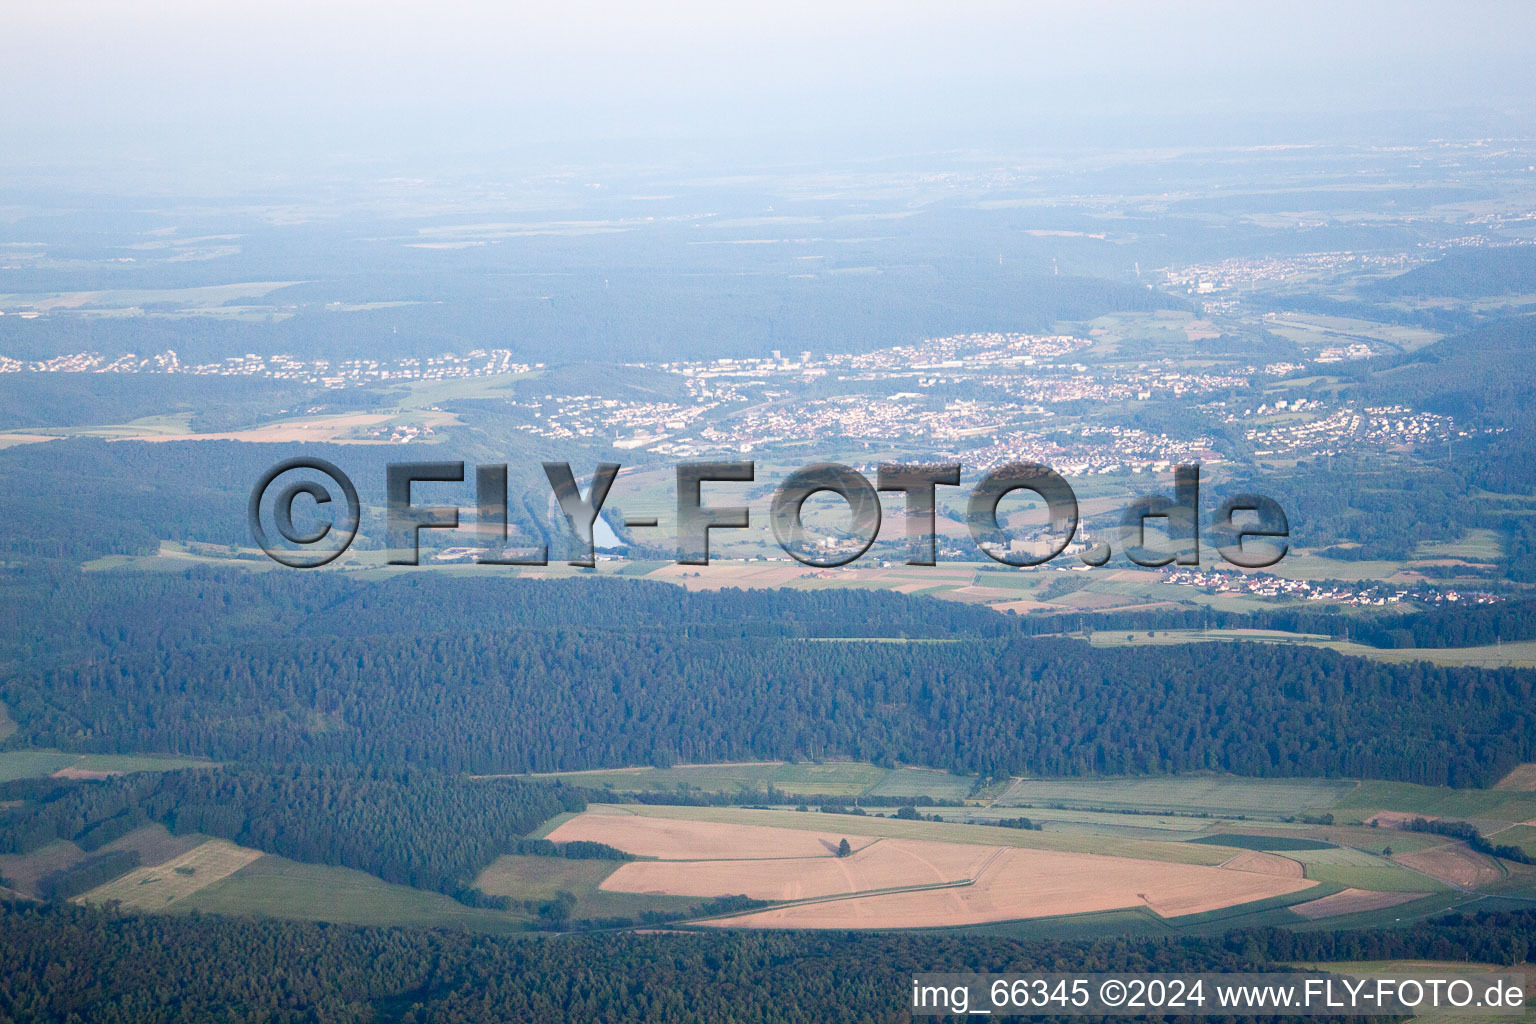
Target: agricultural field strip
{"points": [[826, 779], [1521, 779], [1454, 864], [1033, 884], [881, 865], [1352, 901], [1193, 795], [681, 838], [1516, 654], [176, 878], [40, 762], [1354, 868], [958, 883], [986, 835], [1076, 883], [1265, 863]]}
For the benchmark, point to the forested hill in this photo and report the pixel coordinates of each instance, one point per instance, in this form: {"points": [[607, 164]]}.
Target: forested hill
{"points": [[65, 962], [406, 825], [45, 608], [1472, 273], [511, 676]]}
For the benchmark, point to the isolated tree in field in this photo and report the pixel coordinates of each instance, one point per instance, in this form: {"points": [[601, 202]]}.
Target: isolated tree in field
{"points": [[843, 849]]}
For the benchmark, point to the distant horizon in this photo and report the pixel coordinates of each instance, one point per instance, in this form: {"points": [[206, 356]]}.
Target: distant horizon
{"points": [[289, 87]]}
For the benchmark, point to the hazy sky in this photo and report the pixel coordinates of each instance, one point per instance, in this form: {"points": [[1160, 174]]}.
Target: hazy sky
{"points": [[154, 78]]}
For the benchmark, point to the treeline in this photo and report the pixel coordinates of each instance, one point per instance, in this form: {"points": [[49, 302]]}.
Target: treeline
{"points": [[555, 914], [1023, 823], [408, 825], [73, 963], [575, 849], [1468, 833]]}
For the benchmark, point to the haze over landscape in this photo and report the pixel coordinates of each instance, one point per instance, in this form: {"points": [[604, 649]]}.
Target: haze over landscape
{"points": [[1217, 268]]}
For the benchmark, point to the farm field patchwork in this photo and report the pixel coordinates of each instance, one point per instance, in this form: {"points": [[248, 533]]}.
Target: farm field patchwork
{"points": [[915, 782], [1521, 778], [839, 825], [23, 871], [1523, 836], [1352, 901], [680, 839], [1136, 826], [1261, 842], [956, 874], [523, 879], [33, 764], [276, 887], [1022, 883], [1361, 870], [1516, 654], [1216, 795], [1067, 815], [832, 778], [1453, 863], [1265, 864], [39, 763], [152, 888], [1437, 801], [878, 864]]}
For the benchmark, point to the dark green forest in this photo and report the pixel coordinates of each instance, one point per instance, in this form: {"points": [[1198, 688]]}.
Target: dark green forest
{"points": [[493, 675], [70, 963], [407, 826]]}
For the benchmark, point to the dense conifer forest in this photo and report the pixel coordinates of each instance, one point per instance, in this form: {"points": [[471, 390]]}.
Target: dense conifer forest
{"points": [[409, 826], [65, 962], [488, 676]]}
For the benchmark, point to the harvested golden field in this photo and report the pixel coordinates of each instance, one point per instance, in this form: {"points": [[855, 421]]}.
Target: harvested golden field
{"points": [[155, 887], [883, 864], [1021, 883], [1266, 864], [1352, 901], [685, 839], [1455, 863]]}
